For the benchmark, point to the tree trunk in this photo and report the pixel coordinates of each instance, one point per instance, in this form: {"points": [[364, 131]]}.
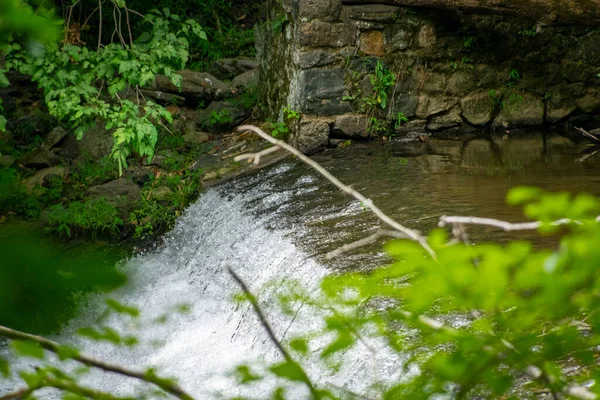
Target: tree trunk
{"points": [[544, 12]]}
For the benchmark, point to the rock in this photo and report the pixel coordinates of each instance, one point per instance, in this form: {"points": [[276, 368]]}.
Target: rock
{"points": [[161, 193], [68, 148], [198, 85], [40, 158], [401, 40], [41, 177], [556, 112], [431, 105], [371, 42], [56, 135], [373, 12], [406, 97], [313, 135], [526, 112], [435, 82], [196, 137], [590, 102], [477, 108], [166, 159], [351, 126], [320, 91], [6, 161], [222, 116], [314, 58], [228, 68], [416, 125], [96, 142], [426, 36], [246, 80], [325, 10], [138, 174], [444, 121], [122, 193], [324, 34], [163, 97]]}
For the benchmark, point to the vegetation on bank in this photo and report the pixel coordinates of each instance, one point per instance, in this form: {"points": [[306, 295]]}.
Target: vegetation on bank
{"points": [[98, 75]]}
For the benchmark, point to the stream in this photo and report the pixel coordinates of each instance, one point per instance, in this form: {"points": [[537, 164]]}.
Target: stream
{"points": [[277, 224]]}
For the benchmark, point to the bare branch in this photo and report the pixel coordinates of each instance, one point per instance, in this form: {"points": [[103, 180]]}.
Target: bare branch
{"points": [[411, 234], [54, 347], [256, 156], [504, 225], [365, 241], [263, 321]]}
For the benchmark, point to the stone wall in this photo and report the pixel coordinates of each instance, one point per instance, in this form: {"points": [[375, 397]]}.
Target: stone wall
{"points": [[454, 71]]}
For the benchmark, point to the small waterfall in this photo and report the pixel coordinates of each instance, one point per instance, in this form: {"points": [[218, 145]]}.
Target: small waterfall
{"points": [[244, 224]]}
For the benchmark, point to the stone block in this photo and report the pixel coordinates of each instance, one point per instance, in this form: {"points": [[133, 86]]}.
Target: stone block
{"points": [[315, 58], [431, 105], [426, 36], [373, 12], [477, 108], [325, 34], [325, 10], [519, 113], [446, 120], [351, 126], [372, 43], [312, 135]]}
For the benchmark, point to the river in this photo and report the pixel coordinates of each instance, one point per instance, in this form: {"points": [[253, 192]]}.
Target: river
{"points": [[277, 224]]}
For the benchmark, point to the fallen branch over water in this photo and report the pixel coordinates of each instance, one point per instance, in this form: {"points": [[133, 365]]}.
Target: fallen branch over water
{"points": [[367, 203], [165, 384], [504, 225]]}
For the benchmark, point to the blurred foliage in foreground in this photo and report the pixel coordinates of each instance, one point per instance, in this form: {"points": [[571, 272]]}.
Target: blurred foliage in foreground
{"points": [[484, 320], [40, 282]]}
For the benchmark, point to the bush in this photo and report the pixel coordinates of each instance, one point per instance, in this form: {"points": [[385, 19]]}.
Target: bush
{"points": [[90, 217]]}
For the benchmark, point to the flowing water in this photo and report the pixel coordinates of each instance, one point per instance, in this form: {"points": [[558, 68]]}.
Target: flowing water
{"points": [[277, 224]]}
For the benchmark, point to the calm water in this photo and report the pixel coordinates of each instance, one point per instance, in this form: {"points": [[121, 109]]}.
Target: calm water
{"points": [[277, 225]]}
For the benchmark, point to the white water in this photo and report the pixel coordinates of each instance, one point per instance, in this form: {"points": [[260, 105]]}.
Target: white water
{"points": [[202, 347]]}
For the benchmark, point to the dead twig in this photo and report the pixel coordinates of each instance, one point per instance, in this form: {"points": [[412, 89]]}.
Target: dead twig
{"points": [[364, 241], [589, 136], [54, 347], [504, 225], [256, 156], [367, 203]]}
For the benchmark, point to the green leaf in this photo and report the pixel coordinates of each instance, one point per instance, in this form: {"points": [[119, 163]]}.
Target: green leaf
{"points": [[300, 345], [522, 194], [28, 348], [4, 367], [244, 375], [65, 352], [343, 341], [289, 370], [121, 308]]}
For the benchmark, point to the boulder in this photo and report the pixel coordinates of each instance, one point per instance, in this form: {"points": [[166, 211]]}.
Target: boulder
{"points": [[54, 137], [228, 68], [446, 120], [371, 42], [306, 59], [416, 125], [527, 110], [41, 177], [431, 105], [406, 97], [96, 142], [246, 80], [320, 91], [40, 159], [477, 108], [313, 135], [196, 137], [197, 85], [590, 101], [163, 97], [138, 173], [122, 193], [221, 116], [351, 126]]}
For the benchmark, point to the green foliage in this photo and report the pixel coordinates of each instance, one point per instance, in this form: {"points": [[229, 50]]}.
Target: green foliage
{"points": [[19, 18], [378, 127], [400, 119], [75, 79], [91, 217], [479, 317], [514, 75], [382, 81], [218, 117], [465, 63], [281, 130], [528, 32], [468, 42], [14, 196]]}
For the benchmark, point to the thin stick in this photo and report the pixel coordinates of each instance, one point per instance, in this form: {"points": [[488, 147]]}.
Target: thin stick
{"points": [[128, 26], [54, 347], [257, 156], [365, 241], [263, 321], [504, 225], [99, 24], [411, 234]]}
